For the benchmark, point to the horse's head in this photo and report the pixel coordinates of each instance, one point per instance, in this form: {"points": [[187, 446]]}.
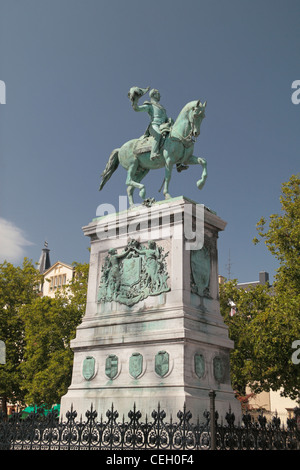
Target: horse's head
{"points": [[187, 124], [196, 114]]}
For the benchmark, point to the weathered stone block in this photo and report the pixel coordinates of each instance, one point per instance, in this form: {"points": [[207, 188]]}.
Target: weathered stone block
{"points": [[152, 331]]}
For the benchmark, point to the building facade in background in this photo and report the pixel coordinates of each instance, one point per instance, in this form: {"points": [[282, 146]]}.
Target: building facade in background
{"points": [[56, 276]]}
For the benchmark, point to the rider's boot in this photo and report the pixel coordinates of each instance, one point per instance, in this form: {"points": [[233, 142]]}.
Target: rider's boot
{"points": [[155, 153]]}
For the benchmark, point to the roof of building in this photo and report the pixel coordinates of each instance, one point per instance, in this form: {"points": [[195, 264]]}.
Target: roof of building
{"points": [[56, 264], [44, 261], [263, 279]]}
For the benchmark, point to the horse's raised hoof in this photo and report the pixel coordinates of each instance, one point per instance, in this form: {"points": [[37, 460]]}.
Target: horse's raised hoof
{"points": [[142, 193], [201, 183]]}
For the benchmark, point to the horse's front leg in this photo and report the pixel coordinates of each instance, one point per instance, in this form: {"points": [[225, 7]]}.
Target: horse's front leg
{"points": [[199, 161], [168, 174], [131, 183]]}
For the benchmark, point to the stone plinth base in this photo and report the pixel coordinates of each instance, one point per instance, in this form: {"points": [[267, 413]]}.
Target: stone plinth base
{"points": [[148, 341]]}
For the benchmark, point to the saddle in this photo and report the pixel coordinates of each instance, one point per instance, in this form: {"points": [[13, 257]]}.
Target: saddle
{"points": [[144, 143]]}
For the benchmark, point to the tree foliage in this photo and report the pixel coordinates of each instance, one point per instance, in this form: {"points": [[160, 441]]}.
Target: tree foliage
{"points": [[267, 322], [37, 332], [50, 324], [18, 287], [248, 307], [282, 237]]}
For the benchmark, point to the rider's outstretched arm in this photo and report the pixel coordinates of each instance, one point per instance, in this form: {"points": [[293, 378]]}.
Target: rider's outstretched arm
{"points": [[143, 107]]}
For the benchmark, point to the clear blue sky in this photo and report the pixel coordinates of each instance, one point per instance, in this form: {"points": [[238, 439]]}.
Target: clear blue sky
{"points": [[68, 65]]}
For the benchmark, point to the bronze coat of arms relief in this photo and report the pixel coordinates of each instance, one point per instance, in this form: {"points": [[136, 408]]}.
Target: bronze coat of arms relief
{"points": [[88, 368], [136, 365], [133, 274]]}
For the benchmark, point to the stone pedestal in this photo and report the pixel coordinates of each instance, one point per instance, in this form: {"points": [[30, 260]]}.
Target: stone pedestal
{"points": [[146, 342]]}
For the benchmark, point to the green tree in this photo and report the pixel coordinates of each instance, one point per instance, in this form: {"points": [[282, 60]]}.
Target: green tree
{"points": [[268, 320], [279, 326], [50, 324], [76, 290], [248, 306], [282, 237], [18, 287], [274, 332]]}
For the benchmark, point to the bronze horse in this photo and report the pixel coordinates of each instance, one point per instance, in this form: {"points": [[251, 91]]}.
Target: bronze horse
{"points": [[177, 150]]}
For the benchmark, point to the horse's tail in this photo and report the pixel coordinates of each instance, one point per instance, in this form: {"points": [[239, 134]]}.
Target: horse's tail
{"points": [[111, 166]]}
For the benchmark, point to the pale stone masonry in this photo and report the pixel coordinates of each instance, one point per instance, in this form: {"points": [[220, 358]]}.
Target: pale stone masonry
{"points": [[171, 348]]}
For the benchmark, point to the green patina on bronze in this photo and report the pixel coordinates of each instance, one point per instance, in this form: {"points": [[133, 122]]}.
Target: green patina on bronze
{"points": [[165, 143], [88, 367], [219, 368], [200, 271], [162, 363], [134, 274], [136, 365], [199, 365], [111, 366]]}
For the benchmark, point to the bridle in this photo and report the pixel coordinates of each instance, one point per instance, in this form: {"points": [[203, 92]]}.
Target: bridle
{"points": [[190, 139]]}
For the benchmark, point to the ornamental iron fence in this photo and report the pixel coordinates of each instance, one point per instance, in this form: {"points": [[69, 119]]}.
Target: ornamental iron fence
{"points": [[39, 432]]}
